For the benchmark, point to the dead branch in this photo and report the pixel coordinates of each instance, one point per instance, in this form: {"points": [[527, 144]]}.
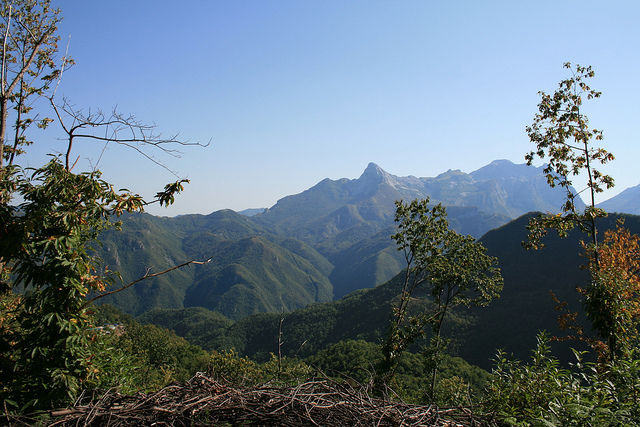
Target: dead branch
{"points": [[146, 276], [115, 128]]}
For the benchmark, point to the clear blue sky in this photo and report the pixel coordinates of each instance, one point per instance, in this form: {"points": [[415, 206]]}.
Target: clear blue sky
{"points": [[292, 92]]}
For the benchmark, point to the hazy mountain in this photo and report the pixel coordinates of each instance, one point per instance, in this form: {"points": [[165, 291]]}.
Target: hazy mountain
{"points": [[501, 188], [251, 211], [327, 241], [626, 202], [338, 217]]}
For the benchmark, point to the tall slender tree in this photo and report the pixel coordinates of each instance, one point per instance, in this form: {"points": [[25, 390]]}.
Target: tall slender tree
{"points": [[28, 31], [454, 269], [562, 136]]}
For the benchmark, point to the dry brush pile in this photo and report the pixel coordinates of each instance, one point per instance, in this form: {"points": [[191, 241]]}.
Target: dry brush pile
{"points": [[202, 401]]}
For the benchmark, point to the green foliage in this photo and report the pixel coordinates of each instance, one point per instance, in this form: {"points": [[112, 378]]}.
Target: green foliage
{"points": [[167, 197], [355, 360], [165, 356], [106, 314], [561, 133], [455, 269], [228, 366], [51, 219], [134, 357], [197, 325], [113, 365], [45, 242], [9, 332], [547, 394]]}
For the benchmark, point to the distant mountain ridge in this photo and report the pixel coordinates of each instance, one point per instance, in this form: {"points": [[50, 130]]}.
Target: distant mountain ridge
{"points": [[496, 193], [626, 202], [323, 243]]}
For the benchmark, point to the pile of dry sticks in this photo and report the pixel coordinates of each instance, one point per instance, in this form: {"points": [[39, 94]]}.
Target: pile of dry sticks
{"points": [[202, 401]]}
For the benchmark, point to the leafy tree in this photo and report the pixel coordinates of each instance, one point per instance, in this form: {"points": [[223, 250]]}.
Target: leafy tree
{"points": [[455, 269], [561, 133], [50, 220], [613, 299], [45, 241], [543, 392], [562, 136], [29, 46]]}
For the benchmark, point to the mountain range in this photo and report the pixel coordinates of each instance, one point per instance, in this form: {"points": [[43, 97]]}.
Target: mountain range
{"points": [[312, 247]]}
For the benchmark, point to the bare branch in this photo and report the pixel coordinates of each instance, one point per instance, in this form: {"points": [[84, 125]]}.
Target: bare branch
{"points": [[119, 129], [146, 276]]}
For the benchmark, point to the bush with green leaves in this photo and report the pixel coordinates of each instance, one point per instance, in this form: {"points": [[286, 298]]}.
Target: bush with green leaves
{"points": [[356, 360], [544, 393], [113, 366], [230, 367], [165, 356]]}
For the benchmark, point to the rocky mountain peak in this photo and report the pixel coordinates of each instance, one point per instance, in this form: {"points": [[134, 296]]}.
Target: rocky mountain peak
{"points": [[373, 172], [369, 181]]}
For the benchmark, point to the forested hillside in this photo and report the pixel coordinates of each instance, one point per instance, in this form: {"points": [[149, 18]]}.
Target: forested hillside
{"points": [[525, 306]]}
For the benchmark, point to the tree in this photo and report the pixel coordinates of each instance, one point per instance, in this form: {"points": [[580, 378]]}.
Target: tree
{"points": [[613, 299], [50, 220], [561, 134], [455, 269], [46, 242], [29, 46]]}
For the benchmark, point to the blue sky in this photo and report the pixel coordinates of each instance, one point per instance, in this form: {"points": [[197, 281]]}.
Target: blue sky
{"points": [[292, 92]]}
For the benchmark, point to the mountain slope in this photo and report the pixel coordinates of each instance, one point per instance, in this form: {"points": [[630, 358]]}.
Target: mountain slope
{"points": [[626, 202], [510, 322], [145, 244], [331, 239], [254, 275], [277, 273], [339, 217], [502, 190]]}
